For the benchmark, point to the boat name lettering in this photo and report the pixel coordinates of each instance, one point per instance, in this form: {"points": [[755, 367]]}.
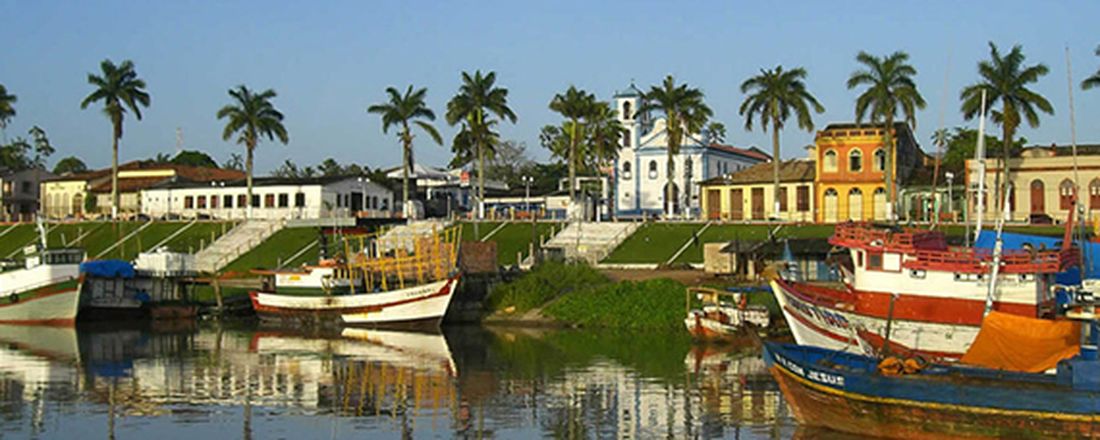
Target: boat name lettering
{"points": [[826, 316], [814, 375]]}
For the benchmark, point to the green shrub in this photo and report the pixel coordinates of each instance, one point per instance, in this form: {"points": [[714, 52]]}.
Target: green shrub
{"points": [[542, 284], [651, 304]]}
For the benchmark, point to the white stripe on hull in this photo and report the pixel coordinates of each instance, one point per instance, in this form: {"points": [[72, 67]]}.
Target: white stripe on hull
{"points": [[54, 307], [836, 328]]}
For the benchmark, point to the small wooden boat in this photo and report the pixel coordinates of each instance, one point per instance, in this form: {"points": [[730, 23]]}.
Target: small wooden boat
{"points": [[1010, 395], [44, 291], [722, 315], [381, 285]]}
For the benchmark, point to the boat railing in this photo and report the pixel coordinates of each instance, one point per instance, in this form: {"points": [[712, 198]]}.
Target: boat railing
{"points": [[434, 257], [863, 235], [971, 260]]}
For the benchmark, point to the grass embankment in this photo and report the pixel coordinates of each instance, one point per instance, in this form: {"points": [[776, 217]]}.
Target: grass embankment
{"points": [[512, 238], [97, 237], [277, 249], [653, 243]]}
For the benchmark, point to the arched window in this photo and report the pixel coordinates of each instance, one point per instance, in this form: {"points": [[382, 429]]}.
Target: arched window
{"points": [[626, 170], [855, 161], [1065, 195], [627, 114], [880, 160], [830, 192], [626, 139], [829, 163], [1094, 194], [652, 169]]}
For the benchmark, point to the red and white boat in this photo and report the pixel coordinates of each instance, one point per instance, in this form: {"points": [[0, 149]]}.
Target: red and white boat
{"points": [[45, 290], [931, 296]]}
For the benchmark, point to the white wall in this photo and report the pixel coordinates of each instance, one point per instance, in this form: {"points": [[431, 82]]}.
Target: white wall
{"points": [[321, 201]]}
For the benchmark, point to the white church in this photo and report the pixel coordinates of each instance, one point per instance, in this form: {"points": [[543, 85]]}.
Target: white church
{"points": [[639, 189]]}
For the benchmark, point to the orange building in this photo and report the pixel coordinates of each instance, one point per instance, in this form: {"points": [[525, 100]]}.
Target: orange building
{"points": [[851, 162]]}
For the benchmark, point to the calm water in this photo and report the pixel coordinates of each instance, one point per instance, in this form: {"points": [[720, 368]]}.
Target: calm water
{"points": [[211, 382]]}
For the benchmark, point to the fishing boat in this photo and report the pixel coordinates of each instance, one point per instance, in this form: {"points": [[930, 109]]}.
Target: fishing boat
{"points": [[1001, 388], [384, 282], [44, 289], [908, 288], [722, 316]]}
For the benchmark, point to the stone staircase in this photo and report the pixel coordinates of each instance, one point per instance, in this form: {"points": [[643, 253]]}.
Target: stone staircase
{"points": [[235, 243], [404, 236], [590, 241]]}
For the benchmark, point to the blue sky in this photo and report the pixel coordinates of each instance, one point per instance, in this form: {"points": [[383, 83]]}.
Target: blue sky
{"points": [[330, 60]]}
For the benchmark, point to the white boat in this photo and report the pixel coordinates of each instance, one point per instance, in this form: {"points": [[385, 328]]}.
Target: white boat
{"points": [[44, 291], [722, 315]]}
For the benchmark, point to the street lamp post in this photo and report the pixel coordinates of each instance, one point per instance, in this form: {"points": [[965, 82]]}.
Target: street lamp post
{"points": [[527, 181], [950, 200]]}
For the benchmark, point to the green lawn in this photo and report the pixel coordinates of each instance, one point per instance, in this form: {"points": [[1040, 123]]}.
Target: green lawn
{"points": [[722, 233], [516, 237], [484, 228], [653, 243], [275, 249], [14, 240]]}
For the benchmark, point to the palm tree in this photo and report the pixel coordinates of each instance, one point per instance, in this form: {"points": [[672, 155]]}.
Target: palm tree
{"points": [[604, 134], [685, 112], [1005, 79], [574, 105], [890, 85], [251, 116], [465, 143], [477, 98], [119, 88], [400, 110], [715, 132], [1088, 83], [772, 96], [7, 107]]}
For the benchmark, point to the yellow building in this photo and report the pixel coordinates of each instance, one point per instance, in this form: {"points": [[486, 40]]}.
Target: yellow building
{"points": [[749, 194], [1041, 182], [851, 164]]}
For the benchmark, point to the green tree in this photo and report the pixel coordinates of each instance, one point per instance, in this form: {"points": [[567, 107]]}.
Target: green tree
{"points": [[715, 132], [478, 97], [685, 112], [7, 107], [574, 105], [42, 147], [194, 158], [1088, 83], [235, 162], [773, 96], [1005, 80], [465, 145], [604, 135], [889, 88], [119, 87], [400, 110], [960, 143], [13, 156], [251, 117], [71, 164]]}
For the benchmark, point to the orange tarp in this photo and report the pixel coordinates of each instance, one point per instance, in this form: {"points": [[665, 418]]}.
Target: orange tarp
{"points": [[1017, 343]]}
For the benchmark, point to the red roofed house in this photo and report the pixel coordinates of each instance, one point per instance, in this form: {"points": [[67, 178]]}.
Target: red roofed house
{"points": [[68, 196]]}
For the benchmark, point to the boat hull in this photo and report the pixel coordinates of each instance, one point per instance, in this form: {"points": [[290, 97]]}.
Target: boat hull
{"points": [[420, 306], [901, 407], [54, 304]]}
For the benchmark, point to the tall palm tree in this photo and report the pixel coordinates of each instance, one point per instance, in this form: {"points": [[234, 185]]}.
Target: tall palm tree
{"points": [[478, 97], [685, 112], [400, 110], [772, 96], [119, 87], [1088, 83], [889, 88], [715, 132], [604, 134], [251, 116], [7, 107], [574, 105], [1005, 79]]}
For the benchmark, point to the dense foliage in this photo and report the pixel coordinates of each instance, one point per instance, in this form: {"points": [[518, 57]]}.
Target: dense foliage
{"points": [[547, 281], [651, 304]]}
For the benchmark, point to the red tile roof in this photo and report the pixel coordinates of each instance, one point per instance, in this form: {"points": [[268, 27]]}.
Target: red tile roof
{"points": [[749, 152], [99, 181]]}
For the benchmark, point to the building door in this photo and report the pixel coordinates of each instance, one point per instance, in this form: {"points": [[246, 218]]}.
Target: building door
{"points": [[714, 204], [855, 204], [878, 204], [356, 201], [758, 203], [675, 198], [737, 204], [830, 206], [1038, 197]]}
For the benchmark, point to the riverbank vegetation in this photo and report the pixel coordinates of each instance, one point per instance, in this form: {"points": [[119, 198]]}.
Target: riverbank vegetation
{"points": [[544, 283]]}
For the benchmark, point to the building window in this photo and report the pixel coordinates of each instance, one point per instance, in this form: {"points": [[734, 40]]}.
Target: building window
{"points": [[829, 164], [652, 170], [803, 196], [300, 200], [627, 114], [26, 186], [782, 199], [255, 200], [1065, 193], [214, 202], [242, 201], [374, 202], [269, 200], [626, 139], [855, 161], [880, 160], [227, 201], [202, 202], [284, 200], [385, 204], [1094, 194], [188, 202], [626, 170]]}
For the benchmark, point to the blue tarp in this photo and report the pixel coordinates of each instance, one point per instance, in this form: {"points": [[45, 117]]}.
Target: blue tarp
{"points": [[107, 269], [1091, 252]]}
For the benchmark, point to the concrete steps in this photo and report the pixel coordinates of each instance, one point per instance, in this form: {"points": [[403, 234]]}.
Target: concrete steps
{"points": [[590, 241], [235, 243]]}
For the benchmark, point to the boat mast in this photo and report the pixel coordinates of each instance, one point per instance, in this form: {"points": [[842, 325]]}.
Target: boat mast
{"points": [[979, 157]]}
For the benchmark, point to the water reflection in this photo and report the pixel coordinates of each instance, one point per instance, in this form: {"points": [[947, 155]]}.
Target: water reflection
{"points": [[228, 382]]}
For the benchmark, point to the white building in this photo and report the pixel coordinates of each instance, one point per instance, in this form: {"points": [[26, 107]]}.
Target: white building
{"points": [[272, 198], [455, 189], [640, 171]]}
